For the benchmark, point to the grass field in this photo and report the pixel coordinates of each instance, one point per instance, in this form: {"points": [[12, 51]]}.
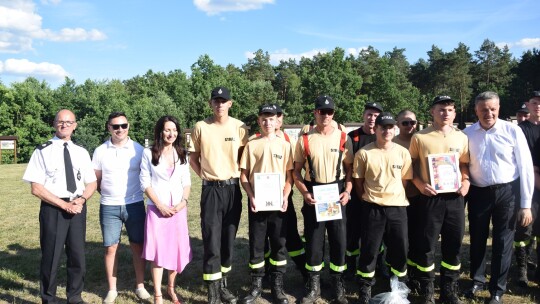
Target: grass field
{"points": [[20, 256]]}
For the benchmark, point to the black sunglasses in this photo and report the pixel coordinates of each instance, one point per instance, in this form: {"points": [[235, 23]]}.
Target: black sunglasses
{"points": [[406, 123], [116, 127], [325, 111]]}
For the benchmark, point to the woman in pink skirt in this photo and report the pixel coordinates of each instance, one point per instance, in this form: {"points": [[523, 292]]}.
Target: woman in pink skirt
{"points": [[165, 178]]}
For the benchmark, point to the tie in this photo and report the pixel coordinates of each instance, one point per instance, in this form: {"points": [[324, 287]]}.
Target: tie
{"points": [[70, 176]]}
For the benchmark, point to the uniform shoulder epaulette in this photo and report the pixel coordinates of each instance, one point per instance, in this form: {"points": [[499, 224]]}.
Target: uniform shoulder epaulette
{"points": [[44, 145]]}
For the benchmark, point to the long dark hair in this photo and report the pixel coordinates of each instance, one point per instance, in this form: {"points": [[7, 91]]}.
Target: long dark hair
{"points": [[158, 145]]}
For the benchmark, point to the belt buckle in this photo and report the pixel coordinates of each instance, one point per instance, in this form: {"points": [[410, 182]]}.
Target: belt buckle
{"points": [[221, 184]]}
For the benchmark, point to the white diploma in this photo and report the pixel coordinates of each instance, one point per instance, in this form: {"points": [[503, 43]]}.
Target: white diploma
{"points": [[444, 172], [328, 207], [268, 191]]}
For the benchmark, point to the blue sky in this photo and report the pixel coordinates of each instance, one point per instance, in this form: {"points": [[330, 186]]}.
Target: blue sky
{"points": [[119, 39]]}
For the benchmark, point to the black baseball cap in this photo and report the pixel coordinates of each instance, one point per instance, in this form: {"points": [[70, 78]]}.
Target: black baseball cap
{"points": [[385, 119], [278, 108], [268, 108], [442, 99], [221, 92], [523, 109], [324, 102], [535, 94], [373, 105]]}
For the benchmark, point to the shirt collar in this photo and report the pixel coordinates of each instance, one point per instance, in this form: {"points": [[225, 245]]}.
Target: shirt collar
{"points": [[110, 144], [59, 141], [478, 127]]}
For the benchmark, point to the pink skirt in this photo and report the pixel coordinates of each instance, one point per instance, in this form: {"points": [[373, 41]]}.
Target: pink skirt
{"points": [[166, 239]]}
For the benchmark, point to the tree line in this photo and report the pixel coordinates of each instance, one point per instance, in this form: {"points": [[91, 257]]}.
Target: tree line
{"points": [[27, 108]]}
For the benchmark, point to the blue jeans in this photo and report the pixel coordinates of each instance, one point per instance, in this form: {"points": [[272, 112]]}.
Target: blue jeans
{"points": [[111, 219]]}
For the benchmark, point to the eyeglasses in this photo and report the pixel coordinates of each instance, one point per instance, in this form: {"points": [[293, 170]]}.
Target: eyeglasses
{"points": [[407, 123], [116, 127], [328, 112], [65, 122]]}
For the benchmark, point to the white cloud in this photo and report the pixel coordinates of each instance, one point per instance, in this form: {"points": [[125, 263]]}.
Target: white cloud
{"points": [[525, 43], [20, 25], [355, 51], [53, 2], [215, 7], [24, 67], [529, 43], [283, 54]]}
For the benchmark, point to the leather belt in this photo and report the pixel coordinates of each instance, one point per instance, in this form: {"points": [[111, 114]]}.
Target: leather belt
{"points": [[221, 183]]}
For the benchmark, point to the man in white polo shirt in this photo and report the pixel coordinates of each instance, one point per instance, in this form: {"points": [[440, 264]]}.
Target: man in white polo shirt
{"points": [[117, 166]]}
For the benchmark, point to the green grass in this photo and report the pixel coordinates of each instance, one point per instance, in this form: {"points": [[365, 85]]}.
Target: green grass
{"points": [[20, 255]]}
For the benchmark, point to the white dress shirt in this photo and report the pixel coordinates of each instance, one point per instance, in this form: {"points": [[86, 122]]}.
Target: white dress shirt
{"points": [[46, 167], [500, 155], [166, 187], [120, 169]]}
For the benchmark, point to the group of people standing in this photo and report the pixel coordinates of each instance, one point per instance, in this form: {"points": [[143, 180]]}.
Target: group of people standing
{"points": [[384, 191]]}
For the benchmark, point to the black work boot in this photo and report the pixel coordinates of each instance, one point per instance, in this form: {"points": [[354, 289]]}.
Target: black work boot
{"points": [[364, 293], [449, 292], [338, 288], [277, 289], [427, 291], [254, 291], [225, 294], [521, 262], [213, 292], [350, 273], [314, 288], [412, 281]]}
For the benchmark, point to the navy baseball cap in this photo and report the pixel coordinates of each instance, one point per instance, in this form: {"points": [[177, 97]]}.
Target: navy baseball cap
{"points": [[373, 105], [442, 99], [268, 108], [523, 109], [324, 102], [279, 110], [385, 119], [221, 92]]}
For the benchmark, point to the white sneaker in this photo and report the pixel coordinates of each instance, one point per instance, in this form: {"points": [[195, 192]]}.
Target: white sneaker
{"points": [[111, 297], [142, 293]]}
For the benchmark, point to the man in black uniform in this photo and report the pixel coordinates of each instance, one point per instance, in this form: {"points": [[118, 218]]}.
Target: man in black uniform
{"points": [[523, 238], [63, 178], [360, 137]]}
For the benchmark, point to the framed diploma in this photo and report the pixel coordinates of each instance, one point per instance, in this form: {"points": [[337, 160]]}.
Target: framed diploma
{"points": [[444, 172], [327, 207], [268, 191]]}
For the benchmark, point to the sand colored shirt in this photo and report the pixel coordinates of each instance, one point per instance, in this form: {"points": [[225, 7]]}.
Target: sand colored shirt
{"points": [[324, 152], [262, 155], [431, 141], [383, 172], [410, 189], [218, 145], [309, 127]]}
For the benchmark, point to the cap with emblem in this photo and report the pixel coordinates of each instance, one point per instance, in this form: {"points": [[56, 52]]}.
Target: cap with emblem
{"points": [[535, 94], [523, 109], [385, 119], [441, 99], [324, 102], [278, 108], [221, 92], [374, 105], [268, 108]]}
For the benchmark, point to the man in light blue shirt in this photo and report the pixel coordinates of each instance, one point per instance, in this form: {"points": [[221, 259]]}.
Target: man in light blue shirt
{"points": [[502, 180]]}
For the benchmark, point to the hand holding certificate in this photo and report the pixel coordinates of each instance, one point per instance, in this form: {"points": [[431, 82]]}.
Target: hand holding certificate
{"points": [[268, 192], [328, 206], [444, 172]]}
